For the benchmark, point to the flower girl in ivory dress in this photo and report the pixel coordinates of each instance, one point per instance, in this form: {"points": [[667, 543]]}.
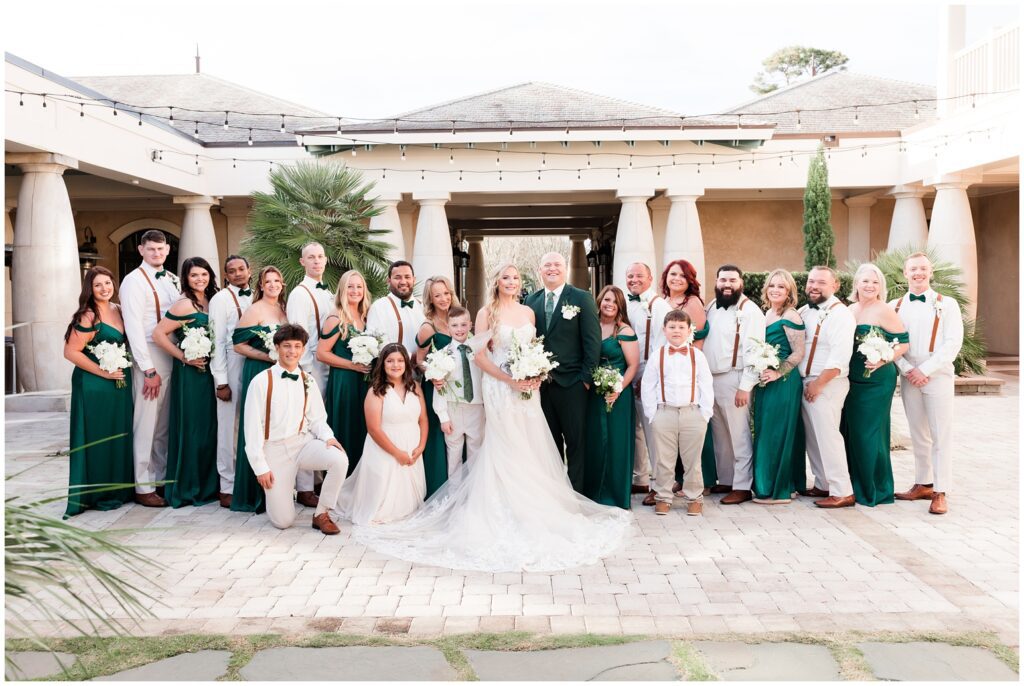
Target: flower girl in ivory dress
{"points": [[388, 483]]}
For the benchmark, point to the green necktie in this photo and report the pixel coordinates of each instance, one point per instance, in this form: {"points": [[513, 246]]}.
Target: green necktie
{"points": [[549, 308], [467, 377], [286, 375], [921, 297]]}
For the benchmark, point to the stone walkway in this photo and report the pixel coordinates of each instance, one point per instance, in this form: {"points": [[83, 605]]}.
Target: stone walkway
{"points": [[744, 569], [639, 661]]}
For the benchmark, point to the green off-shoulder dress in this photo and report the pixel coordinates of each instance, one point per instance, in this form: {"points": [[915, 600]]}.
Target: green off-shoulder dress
{"points": [[866, 425], [778, 429], [99, 410], [346, 391], [192, 436], [435, 455], [610, 435], [247, 495], [708, 466]]}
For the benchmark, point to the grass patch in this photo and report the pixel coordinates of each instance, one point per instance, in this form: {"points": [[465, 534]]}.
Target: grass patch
{"points": [[690, 663]]}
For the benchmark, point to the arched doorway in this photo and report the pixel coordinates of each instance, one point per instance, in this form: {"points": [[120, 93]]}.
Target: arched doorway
{"points": [[128, 257]]}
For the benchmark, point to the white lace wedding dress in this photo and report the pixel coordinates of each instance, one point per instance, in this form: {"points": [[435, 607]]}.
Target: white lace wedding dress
{"points": [[514, 509]]}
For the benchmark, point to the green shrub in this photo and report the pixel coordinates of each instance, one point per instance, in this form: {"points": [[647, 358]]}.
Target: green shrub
{"points": [[753, 283]]}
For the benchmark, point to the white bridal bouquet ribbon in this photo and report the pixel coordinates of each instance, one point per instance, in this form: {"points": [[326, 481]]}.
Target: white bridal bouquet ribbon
{"points": [[528, 361], [607, 382], [876, 348], [111, 357], [268, 340], [762, 356], [438, 366], [197, 342]]}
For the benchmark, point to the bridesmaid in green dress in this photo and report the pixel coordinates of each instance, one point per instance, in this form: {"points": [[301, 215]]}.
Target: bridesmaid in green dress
{"points": [[346, 385], [192, 477], [264, 316], [866, 415], [778, 428], [439, 296], [611, 435], [100, 408]]}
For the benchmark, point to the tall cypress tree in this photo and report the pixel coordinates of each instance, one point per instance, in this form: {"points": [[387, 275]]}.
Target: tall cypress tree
{"points": [[819, 238]]}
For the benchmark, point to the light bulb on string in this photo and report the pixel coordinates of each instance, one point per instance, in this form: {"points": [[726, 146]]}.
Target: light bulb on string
{"points": [[579, 174], [917, 111], [712, 159], [510, 128], [115, 108], [499, 175], [451, 157], [698, 167], [339, 126], [225, 121], [617, 174], [421, 175], [630, 161], [81, 112], [170, 116], [799, 124], [659, 171], [497, 160], [197, 160], [250, 137], [588, 160], [140, 118], [234, 163], [460, 175], [566, 128], [44, 99], [383, 174], [197, 128], [282, 123], [401, 149], [21, 99], [856, 116], [544, 160]]}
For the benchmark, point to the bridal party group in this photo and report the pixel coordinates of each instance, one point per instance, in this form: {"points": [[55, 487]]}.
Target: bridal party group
{"points": [[658, 389]]}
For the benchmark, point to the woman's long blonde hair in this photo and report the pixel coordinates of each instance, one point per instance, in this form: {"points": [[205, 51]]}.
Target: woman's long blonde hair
{"points": [[868, 267], [493, 302], [791, 292], [341, 302], [429, 311]]}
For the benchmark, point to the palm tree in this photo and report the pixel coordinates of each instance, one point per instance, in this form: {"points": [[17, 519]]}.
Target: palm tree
{"points": [[317, 202]]}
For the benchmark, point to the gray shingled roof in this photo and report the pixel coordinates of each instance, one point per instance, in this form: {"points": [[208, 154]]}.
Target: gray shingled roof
{"points": [[204, 93], [843, 89], [537, 105]]}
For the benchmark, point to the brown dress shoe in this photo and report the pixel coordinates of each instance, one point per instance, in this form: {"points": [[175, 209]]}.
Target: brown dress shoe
{"points": [[736, 497], [649, 500], [814, 492], [639, 489], [323, 522], [661, 508], [938, 504], [225, 499], [917, 492], [833, 502], [694, 508], [150, 500], [720, 488], [307, 499]]}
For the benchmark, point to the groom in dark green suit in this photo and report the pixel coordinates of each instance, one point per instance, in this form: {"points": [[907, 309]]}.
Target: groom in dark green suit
{"points": [[567, 318]]}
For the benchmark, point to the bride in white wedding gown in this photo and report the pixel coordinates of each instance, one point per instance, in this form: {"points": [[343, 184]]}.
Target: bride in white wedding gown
{"points": [[514, 508]]}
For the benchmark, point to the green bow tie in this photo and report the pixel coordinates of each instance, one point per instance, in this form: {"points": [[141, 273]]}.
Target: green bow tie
{"points": [[286, 375], [634, 298], [812, 306], [320, 285], [918, 297], [161, 273], [408, 303], [245, 291]]}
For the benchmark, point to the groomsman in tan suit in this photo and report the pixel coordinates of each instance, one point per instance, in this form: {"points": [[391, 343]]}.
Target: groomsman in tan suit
{"points": [[640, 284], [830, 329], [936, 329]]}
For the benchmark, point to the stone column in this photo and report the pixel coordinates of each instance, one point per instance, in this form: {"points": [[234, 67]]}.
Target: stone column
{"points": [[683, 237], [634, 237], [236, 211], [909, 225], [45, 270], [951, 236], [579, 273], [407, 218], [198, 239], [659, 225], [858, 228], [476, 276], [432, 249], [389, 221], [9, 204]]}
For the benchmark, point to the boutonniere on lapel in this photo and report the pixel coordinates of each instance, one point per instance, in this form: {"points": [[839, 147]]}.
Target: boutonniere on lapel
{"points": [[307, 381], [174, 279], [570, 311], [824, 312], [938, 306]]}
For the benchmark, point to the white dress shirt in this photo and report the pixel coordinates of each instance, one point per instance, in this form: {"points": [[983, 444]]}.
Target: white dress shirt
{"points": [[381, 319], [140, 310], [835, 340], [639, 314], [457, 393], [720, 345], [678, 375], [285, 413], [919, 318], [225, 311], [300, 311]]}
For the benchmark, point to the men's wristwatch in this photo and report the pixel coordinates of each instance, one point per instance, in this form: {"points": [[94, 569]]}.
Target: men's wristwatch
{"points": [[150, 374], [223, 385]]}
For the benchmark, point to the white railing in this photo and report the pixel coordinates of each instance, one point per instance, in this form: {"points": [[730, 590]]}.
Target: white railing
{"points": [[991, 65]]}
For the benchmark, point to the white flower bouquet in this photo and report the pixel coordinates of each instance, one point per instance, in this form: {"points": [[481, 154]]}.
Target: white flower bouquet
{"points": [[365, 347], [762, 356], [438, 366], [196, 342], [876, 348], [528, 361], [111, 357], [268, 340], [607, 382]]}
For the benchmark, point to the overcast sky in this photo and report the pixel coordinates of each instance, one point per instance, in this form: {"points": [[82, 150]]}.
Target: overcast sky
{"points": [[370, 58]]}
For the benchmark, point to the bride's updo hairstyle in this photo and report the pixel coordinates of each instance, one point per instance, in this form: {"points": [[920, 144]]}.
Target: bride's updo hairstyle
{"points": [[493, 300], [379, 380]]}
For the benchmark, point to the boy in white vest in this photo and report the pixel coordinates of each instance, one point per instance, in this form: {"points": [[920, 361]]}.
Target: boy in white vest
{"points": [[398, 316], [226, 308], [678, 396], [936, 329], [286, 431], [459, 406], [735, 323], [830, 330], [640, 284]]}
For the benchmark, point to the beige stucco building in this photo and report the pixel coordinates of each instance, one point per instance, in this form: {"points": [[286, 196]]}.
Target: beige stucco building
{"points": [[908, 164]]}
